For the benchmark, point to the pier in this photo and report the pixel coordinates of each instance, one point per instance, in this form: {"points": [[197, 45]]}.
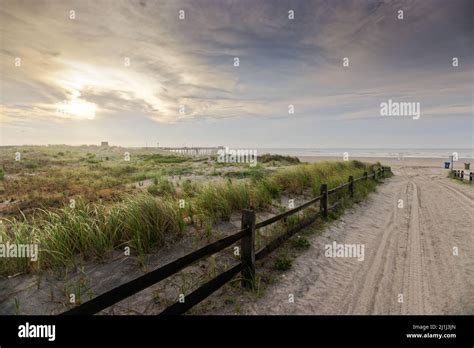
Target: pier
{"points": [[193, 151]]}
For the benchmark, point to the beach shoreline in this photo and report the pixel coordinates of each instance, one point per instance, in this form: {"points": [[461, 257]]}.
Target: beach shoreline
{"points": [[397, 163]]}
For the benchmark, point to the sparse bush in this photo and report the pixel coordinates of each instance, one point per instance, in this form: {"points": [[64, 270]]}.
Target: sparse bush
{"points": [[300, 242], [31, 165], [283, 263], [189, 188], [164, 159], [161, 187], [153, 190], [292, 220], [266, 158], [166, 187], [123, 170], [256, 173]]}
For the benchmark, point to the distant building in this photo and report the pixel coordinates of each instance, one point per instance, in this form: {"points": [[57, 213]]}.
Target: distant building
{"points": [[104, 143]]}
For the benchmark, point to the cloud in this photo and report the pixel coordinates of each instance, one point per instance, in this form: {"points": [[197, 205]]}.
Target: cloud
{"points": [[190, 62]]}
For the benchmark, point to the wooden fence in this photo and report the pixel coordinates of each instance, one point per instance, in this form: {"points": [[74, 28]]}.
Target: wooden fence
{"points": [[461, 175], [246, 236]]}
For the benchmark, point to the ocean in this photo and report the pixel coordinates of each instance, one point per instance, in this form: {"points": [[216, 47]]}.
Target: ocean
{"points": [[385, 153]]}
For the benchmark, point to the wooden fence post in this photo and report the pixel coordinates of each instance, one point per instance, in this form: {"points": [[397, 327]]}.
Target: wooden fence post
{"points": [[351, 186], [383, 172], [375, 175], [366, 175], [323, 204], [462, 174], [471, 177], [248, 249]]}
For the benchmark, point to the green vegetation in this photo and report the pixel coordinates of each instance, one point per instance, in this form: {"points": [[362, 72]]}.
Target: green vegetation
{"points": [[283, 263], [254, 173], [292, 220], [115, 209], [300, 242], [267, 158], [189, 188], [161, 186], [458, 180], [91, 230], [157, 158]]}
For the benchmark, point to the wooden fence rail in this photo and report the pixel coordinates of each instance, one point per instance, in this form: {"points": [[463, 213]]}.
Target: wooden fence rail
{"points": [[247, 261], [462, 175]]}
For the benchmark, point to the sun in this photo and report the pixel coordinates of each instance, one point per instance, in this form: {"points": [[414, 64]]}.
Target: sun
{"points": [[78, 108]]}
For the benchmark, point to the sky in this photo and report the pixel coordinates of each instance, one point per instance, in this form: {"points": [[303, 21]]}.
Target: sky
{"points": [[149, 72]]}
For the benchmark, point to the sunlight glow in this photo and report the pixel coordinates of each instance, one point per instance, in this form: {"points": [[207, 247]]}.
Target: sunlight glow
{"points": [[77, 108]]}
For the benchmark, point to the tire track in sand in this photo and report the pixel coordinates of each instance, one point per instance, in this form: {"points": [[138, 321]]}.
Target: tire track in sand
{"points": [[407, 250], [365, 296], [413, 272]]}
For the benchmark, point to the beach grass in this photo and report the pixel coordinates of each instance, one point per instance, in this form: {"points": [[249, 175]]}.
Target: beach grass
{"points": [[146, 221]]}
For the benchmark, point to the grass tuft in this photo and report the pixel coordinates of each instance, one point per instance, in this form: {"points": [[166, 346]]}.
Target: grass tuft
{"points": [[283, 263], [145, 221], [91, 230]]}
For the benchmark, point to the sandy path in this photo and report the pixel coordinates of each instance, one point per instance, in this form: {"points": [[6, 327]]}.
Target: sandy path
{"points": [[409, 266]]}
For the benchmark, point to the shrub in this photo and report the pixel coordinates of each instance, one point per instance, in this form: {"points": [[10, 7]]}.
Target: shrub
{"points": [[300, 242], [161, 186], [157, 158], [31, 165], [266, 158], [189, 188], [283, 263], [154, 190], [122, 170]]}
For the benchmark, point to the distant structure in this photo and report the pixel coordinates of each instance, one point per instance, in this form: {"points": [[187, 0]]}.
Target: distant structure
{"points": [[193, 151], [104, 144]]}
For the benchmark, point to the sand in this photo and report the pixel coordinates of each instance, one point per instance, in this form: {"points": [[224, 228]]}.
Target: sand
{"points": [[408, 251], [409, 265]]}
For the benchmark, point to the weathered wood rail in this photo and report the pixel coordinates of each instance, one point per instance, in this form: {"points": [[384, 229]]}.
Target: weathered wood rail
{"points": [[462, 175], [246, 236]]}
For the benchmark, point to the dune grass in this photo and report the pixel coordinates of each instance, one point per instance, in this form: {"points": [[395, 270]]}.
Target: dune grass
{"points": [[91, 230], [145, 221], [269, 158]]}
